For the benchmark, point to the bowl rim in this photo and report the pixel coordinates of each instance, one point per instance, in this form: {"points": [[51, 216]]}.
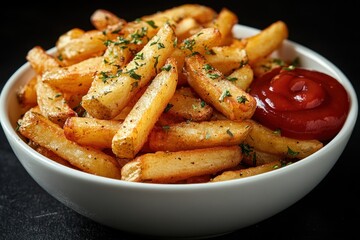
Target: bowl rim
{"points": [[345, 131]]}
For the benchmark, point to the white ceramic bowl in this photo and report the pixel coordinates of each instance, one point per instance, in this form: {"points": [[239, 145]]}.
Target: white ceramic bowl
{"points": [[181, 210]]}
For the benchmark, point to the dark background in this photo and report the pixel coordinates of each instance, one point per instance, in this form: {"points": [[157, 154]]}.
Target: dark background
{"points": [[330, 210]]}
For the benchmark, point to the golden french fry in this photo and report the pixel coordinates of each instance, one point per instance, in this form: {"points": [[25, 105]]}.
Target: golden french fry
{"points": [[49, 154], [225, 22], [170, 167], [47, 134], [247, 172], [91, 131], [102, 18], [201, 42], [189, 107], [52, 103], [202, 14], [41, 61], [26, 94], [253, 157], [226, 58], [193, 135], [78, 77], [268, 141], [242, 77], [210, 84], [264, 65], [137, 125], [186, 27], [110, 98], [77, 45], [266, 41]]}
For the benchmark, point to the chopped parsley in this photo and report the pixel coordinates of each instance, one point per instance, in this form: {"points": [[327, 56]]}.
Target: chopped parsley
{"points": [[168, 107], [242, 99], [152, 24], [291, 152], [225, 93]]}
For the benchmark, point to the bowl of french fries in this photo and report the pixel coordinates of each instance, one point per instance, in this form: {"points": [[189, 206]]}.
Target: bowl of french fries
{"points": [[147, 126]]}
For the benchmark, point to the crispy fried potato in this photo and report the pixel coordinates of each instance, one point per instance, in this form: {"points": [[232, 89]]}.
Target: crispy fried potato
{"points": [[226, 59], [242, 77], [77, 45], [39, 129], [201, 42], [225, 22], [49, 154], [189, 107], [26, 94], [202, 14], [78, 77], [52, 103], [41, 61], [253, 157], [101, 19], [91, 131], [136, 127], [266, 41], [170, 167], [107, 101], [247, 172], [193, 135], [210, 85], [186, 27], [268, 141]]}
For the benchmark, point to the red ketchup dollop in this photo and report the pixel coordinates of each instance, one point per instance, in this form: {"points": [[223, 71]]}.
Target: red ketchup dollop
{"points": [[301, 103]]}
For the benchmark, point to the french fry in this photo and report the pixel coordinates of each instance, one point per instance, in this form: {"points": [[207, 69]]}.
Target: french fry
{"points": [[136, 127], [26, 94], [41, 61], [253, 157], [247, 172], [52, 103], [91, 131], [47, 134], [226, 59], [266, 41], [77, 45], [102, 19], [225, 22], [202, 14], [186, 27], [210, 85], [201, 42], [189, 107], [78, 77], [107, 101], [170, 167], [193, 135], [268, 141], [47, 153], [242, 77]]}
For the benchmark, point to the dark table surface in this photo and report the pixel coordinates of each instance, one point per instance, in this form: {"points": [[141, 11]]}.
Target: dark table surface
{"points": [[330, 210]]}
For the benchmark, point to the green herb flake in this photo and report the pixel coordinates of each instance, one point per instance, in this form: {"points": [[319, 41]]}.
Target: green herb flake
{"points": [[152, 24], [202, 103], [291, 152], [213, 75], [246, 149], [166, 128], [225, 93], [289, 68], [229, 133], [231, 79], [277, 131], [242, 99], [168, 107], [166, 67]]}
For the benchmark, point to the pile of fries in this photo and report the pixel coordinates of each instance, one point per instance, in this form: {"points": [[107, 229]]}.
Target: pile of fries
{"points": [[161, 99]]}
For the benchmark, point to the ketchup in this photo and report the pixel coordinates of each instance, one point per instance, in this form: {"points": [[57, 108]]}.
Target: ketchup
{"points": [[301, 103]]}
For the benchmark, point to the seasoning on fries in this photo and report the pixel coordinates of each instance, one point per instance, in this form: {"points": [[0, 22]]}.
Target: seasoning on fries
{"points": [[165, 98]]}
